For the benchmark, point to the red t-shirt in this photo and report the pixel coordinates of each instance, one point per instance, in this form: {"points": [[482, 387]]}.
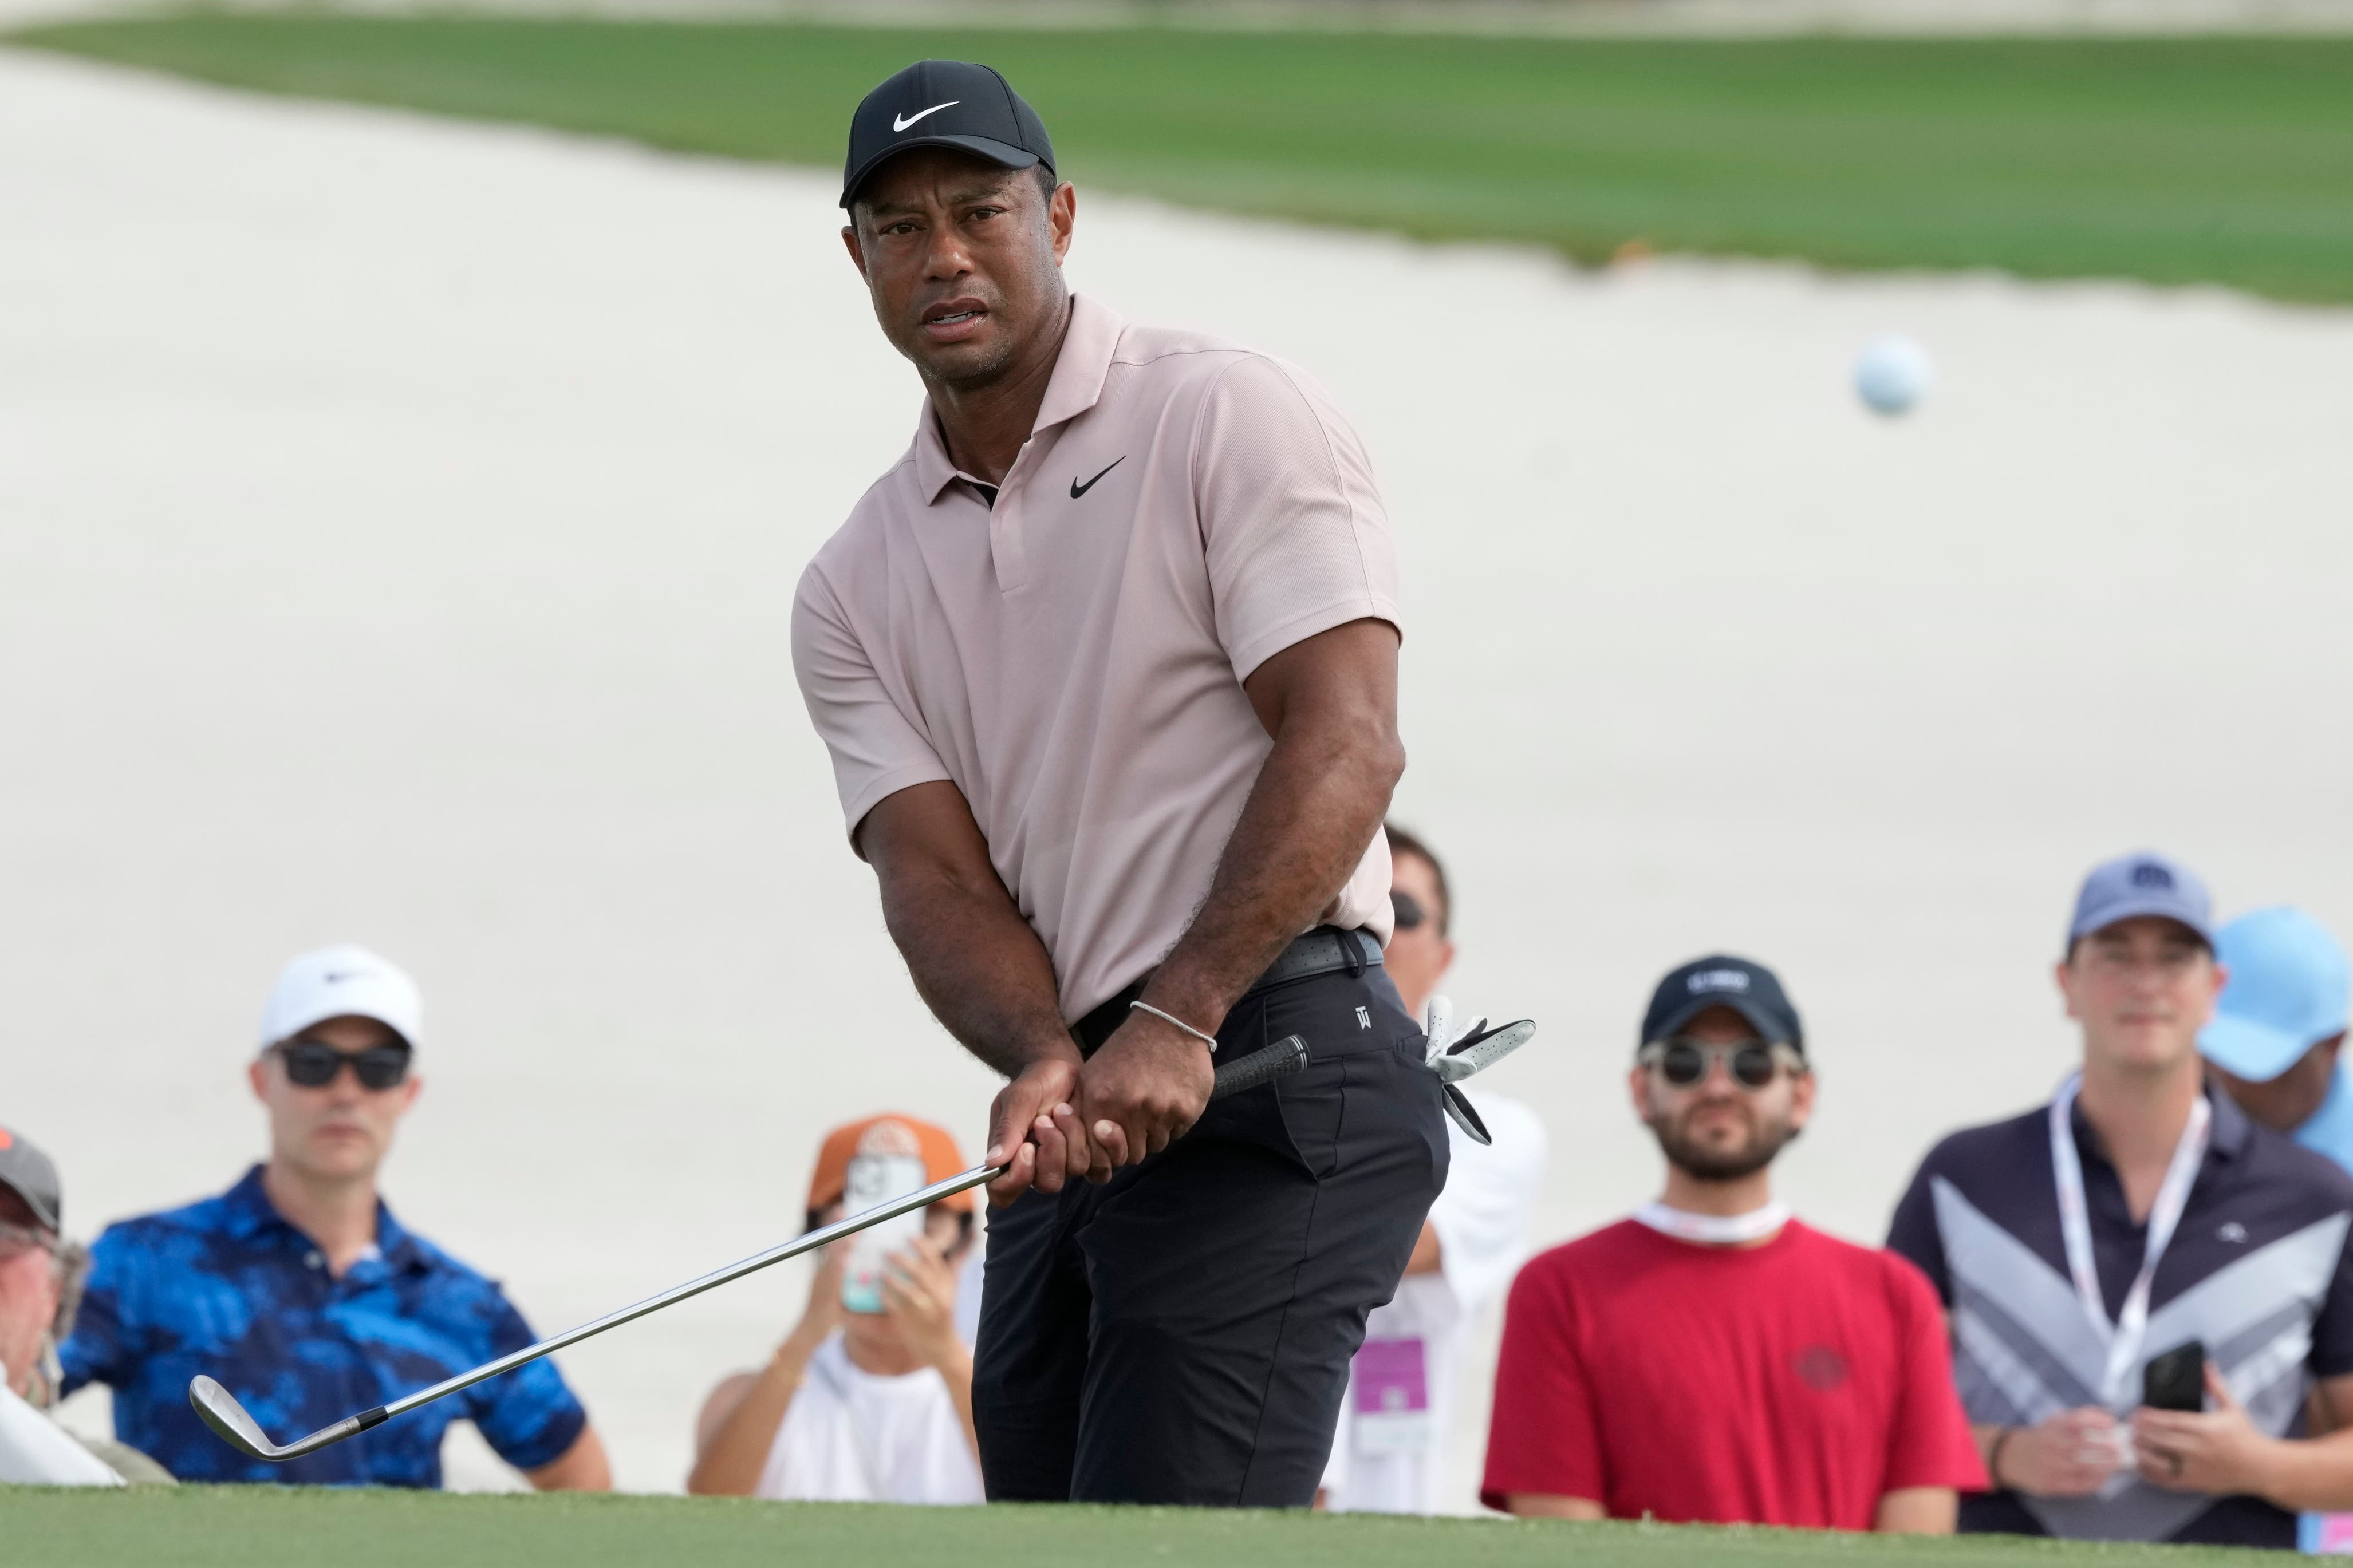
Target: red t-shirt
{"points": [[1794, 1383]]}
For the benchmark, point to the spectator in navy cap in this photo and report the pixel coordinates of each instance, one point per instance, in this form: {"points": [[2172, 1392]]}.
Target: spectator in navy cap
{"points": [[2141, 1214], [1712, 1359]]}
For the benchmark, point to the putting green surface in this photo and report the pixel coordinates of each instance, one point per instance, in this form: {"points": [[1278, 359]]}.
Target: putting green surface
{"points": [[267, 1527], [2176, 161]]}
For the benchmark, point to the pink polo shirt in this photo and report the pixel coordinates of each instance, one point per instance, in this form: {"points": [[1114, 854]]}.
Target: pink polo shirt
{"points": [[1072, 659]]}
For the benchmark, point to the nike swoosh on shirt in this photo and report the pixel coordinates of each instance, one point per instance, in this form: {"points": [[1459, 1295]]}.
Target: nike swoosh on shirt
{"points": [[1078, 490], [899, 124]]}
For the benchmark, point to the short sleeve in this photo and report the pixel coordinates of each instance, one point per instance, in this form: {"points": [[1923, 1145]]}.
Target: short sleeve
{"points": [[1292, 525], [1481, 1216], [877, 750], [102, 1346], [1912, 1234], [1543, 1437], [529, 1416], [1929, 1442]]}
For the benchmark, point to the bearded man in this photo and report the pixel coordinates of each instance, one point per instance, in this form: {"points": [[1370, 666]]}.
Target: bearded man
{"points": [[1711, 1358]]}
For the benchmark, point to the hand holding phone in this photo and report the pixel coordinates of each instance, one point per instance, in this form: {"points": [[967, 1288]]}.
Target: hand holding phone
{"points": [[2177, 1379], [874, 1179]]}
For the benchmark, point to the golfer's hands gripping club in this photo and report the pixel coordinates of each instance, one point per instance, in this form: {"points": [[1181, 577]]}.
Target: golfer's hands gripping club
{"points": [[1041, 1132], [1142, 1091], [1034, 1129]]}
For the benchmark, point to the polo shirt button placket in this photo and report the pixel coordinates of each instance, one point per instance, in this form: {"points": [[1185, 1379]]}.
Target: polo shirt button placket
{"points": [[1005, 552]]}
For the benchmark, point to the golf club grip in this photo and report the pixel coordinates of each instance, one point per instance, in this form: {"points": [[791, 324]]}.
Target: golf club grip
{"points": [[1280, 1059]]}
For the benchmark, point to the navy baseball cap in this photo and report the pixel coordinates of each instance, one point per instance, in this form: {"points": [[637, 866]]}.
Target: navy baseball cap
{"points": [[1749, 989], [943, 103], [2287, 993], [2144, 884]]}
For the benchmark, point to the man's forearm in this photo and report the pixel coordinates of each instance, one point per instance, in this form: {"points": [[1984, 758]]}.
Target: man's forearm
{"points": [[2310, 1475], [1319, 799], [979, 967]]}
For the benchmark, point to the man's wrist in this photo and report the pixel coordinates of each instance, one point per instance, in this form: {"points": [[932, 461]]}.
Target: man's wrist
{"points": [[2002, 1439], [1060, 1051], [1189, 1007], [2272, 1472]]}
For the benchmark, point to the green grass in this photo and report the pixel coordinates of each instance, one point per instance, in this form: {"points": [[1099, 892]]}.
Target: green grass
{"points": [[2175, 161], [267, 1527]]}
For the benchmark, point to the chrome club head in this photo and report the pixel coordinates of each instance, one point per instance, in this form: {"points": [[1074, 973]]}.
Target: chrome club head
{"points": [[219, 1410]]}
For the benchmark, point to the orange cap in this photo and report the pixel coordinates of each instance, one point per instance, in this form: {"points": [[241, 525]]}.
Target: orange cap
{"points": [[886, 1134]]}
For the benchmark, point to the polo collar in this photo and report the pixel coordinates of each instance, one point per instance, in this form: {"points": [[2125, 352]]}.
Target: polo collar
{"points": [[250, 1214], [1076, 386], [2226, 1137]]}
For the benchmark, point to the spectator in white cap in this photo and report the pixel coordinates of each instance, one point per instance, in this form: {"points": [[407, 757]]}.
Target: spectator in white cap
{"points": [[2279, 1025], [301, 1265]]}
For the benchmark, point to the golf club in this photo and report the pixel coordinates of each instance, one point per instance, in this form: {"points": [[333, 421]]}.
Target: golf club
{"points": [[221, 1412]]}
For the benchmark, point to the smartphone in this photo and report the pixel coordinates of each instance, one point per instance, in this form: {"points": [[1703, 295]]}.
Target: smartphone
{"points": [[874, 1179], [2175, 1380]]}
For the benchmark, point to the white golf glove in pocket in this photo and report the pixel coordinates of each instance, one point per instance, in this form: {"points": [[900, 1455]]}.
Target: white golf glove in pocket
{"points": [[1455, 1055]]}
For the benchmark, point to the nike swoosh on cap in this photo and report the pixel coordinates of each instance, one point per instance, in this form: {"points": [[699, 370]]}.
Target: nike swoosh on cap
{"points": [[899, 124]]}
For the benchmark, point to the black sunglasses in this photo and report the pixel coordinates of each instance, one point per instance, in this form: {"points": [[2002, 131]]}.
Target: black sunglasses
{"points": [[1409, 912], [313, 1064], [1753, 1063]]}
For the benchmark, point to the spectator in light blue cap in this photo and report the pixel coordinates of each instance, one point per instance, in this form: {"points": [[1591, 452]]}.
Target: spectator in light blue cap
{"points": [[2279, 1025]]}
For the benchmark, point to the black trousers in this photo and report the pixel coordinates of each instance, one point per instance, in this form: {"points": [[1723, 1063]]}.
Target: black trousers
{"points": [[1182, 1334]]}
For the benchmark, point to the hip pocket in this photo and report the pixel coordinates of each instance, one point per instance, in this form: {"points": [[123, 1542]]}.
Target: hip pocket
{"points": [[1315, 1103]]}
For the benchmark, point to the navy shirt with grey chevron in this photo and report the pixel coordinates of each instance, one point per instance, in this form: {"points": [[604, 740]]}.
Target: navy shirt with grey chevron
{"points": [[2258, 1269], [228, 1287]]}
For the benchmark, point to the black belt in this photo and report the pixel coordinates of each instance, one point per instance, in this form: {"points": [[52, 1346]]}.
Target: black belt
{"points": [[1322, 950]]}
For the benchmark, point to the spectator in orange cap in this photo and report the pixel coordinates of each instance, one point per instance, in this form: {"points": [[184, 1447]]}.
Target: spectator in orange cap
{"points": [[869, 1399]]}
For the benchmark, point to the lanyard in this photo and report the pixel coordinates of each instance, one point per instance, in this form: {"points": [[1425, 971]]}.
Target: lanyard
{"points": [[1714, 1229], [2124, 1339]]}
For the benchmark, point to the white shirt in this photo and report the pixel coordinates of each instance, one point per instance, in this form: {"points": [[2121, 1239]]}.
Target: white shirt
{"points": [[37, 1451], [853, 1436], [1389, 1455]]}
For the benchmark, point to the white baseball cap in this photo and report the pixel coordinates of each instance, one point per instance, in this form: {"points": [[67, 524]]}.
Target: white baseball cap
{"points": [[345, 981]]}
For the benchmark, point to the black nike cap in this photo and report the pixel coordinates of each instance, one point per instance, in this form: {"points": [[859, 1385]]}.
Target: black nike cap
{"points": [[1749, 989], [943, 103]]}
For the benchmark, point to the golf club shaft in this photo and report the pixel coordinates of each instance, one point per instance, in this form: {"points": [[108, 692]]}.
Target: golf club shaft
{"points": [[1285, 1056]]}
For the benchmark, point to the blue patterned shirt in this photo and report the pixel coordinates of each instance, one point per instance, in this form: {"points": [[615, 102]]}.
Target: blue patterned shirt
{"points": [[228, 1287]]}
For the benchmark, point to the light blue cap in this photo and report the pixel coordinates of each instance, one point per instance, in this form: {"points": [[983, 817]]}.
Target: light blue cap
{"points": [[2147, 883], [2287, 993]]}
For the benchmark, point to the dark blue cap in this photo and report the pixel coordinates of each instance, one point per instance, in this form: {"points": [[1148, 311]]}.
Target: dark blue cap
{"points": [[1749, 989], [2145, 883], [943, 103]]}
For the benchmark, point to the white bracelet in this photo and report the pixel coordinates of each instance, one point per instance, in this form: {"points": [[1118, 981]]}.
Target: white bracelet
{"points": [[1209, 1040]]}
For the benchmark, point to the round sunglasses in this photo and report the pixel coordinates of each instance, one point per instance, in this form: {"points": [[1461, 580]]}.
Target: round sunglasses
{"points": [[314, 1064], [1753, 1063]]}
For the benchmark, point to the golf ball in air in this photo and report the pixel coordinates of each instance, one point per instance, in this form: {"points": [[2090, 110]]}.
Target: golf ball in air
{"points": [[1893, 375]]}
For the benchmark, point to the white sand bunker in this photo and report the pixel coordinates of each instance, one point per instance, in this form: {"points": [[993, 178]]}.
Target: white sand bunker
{"points": [[397, 521]]}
